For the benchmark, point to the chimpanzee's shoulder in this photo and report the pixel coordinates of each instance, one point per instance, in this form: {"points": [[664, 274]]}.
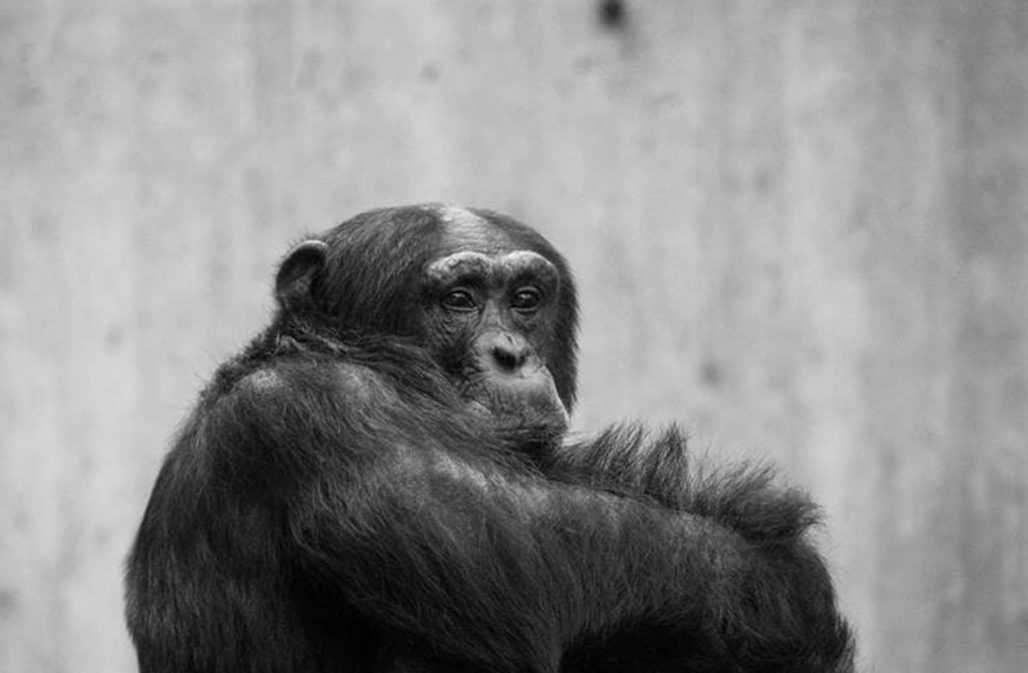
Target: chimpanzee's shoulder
{"points": [[293, 375], [286, 365]]}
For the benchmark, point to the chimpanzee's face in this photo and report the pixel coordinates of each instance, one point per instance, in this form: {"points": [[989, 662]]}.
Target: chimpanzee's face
{"points": [[489, 311]]}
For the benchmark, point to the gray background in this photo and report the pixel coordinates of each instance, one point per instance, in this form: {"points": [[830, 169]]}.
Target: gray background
{"points": [[800, 228]]}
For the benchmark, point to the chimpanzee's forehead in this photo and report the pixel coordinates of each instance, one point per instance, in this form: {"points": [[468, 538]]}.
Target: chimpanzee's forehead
{"points": [[465, 230]]}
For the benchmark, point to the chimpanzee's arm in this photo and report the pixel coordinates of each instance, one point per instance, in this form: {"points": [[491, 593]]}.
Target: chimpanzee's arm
{"points": [[788, 601], [744, 497]]}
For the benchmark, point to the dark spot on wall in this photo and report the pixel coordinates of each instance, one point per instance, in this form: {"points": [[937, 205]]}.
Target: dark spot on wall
{"points": [[114, 337], [430, 72], [763, 180], [28, 96], [8, 603], [711, 373], [613, 13]]}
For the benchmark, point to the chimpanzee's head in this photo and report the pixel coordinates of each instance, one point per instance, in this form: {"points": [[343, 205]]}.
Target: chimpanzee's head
{"points": [[488, 297]]}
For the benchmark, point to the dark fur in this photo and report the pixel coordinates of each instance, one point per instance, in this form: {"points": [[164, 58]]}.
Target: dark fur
{"points": [[331, 505]]}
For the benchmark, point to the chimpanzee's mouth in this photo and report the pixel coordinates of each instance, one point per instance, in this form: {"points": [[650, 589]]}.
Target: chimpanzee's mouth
{"points": [[523, 411]]}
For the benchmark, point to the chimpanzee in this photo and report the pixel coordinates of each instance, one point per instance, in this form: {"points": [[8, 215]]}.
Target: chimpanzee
{"points": [[381, 481]]}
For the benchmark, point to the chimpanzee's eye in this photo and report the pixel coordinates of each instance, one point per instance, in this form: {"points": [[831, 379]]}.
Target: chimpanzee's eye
{"points": [[459, 300], [526, 299]]}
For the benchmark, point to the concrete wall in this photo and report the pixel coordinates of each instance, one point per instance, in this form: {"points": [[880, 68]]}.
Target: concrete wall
{"points": [[800, 227]]}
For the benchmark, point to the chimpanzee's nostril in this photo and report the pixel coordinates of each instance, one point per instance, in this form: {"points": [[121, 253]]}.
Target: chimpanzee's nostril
{"points": [[507, 359]]}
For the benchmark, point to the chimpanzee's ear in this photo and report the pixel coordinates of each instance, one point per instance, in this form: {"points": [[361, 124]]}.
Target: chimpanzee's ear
{"points": [[293, 282]]}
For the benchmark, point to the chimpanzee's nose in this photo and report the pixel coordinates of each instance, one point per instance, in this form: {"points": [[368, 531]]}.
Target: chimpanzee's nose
{"points": [[509, 353]]}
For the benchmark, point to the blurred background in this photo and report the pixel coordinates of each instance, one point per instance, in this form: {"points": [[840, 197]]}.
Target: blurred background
{"points": [[800, 228]]}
